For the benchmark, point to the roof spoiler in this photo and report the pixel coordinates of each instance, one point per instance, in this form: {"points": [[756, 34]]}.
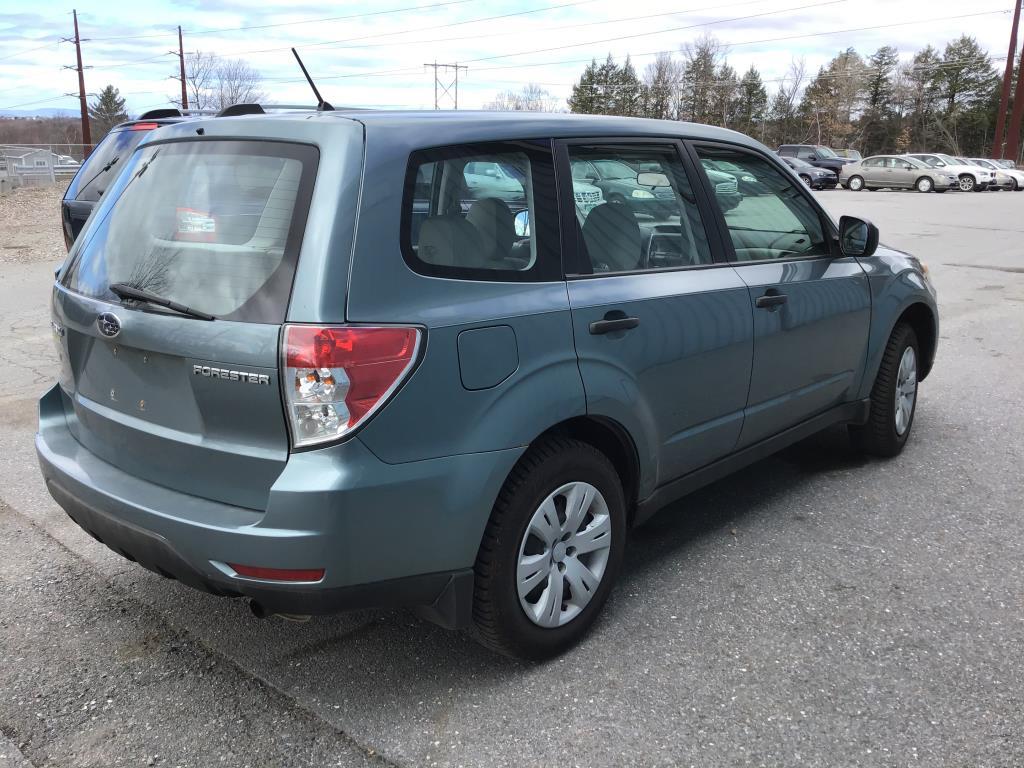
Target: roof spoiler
{"points": [[156, 114]]}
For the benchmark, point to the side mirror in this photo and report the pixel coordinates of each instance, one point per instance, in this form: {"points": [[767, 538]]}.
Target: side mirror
{"points": [[857, 237], [522, 224], [652, 180], [940, 164]]}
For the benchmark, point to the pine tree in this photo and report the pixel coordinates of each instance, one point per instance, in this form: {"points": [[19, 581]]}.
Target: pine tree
{"points": [[628, 92], [698, 80], [106, 112], [751, 103], [880, 109], [966, 83], [583, 99]]}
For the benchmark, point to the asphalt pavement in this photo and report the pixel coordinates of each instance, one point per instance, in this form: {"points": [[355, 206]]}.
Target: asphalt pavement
{"points": [[817, 609]]}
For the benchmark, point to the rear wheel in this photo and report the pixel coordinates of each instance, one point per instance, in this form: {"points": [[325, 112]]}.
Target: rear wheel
{"points": [[855, 184], [551, 551], [967, 183], [924, 184], [893, 397]]}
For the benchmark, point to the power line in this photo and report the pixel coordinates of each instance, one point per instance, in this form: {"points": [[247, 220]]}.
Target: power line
{"points": [[289, 23], [424, 29], [29, 50], [916, 22]]}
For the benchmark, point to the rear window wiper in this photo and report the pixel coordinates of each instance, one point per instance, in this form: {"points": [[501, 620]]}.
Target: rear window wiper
{"points": [[100, 172], [125, 291]]}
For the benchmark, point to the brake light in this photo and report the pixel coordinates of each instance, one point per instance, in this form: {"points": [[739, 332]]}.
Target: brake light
{"points": [[336, 377], [145, 126]]}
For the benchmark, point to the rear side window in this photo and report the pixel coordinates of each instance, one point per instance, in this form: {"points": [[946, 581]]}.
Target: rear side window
{"points": [[103, 165], [482, 212], [215, 225]]}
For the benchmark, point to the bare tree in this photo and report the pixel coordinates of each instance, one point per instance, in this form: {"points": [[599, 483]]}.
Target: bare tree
{"points": [[529, 98], [216, 83], [662, 87]]}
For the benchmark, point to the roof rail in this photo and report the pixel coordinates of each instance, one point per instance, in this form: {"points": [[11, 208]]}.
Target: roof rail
{"points": [[241, 109]]}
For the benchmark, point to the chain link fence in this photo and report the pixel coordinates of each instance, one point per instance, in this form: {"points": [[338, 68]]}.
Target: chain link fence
{"points": [[33, 165]]}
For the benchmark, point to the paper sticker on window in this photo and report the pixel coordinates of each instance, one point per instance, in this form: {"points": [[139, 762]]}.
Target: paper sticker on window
{"points": [[197, 226]]}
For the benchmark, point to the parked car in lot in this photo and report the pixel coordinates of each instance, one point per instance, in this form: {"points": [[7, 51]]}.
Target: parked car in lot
{"points": [[849, 154], [812, 176], [896, 172], [816, 155], [1005, 178], [102, 166], [272, 385], [972, 178], [1005, 163]]}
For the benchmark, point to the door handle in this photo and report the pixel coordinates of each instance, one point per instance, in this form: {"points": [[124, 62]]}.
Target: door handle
{"points": [[771, 300], [614, 321]]}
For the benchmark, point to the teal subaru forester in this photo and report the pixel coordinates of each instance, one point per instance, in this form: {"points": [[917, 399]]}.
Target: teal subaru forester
{"points": [[311, 360]]}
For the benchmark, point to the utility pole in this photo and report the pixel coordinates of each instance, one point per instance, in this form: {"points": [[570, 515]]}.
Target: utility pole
{"points": [[1013, 134], [181, 69], [1004, 99], [83, 104], [447, 83]]}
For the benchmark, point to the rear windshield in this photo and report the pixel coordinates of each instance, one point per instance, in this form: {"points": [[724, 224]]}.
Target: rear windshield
{"points": [[95, 176], [215, 225]]}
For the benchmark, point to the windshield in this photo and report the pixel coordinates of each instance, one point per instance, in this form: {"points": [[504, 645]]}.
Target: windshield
{"points": [[984, 164], [915, 162], [797, 162], [825, 152], [214, 225], [949, 160]]}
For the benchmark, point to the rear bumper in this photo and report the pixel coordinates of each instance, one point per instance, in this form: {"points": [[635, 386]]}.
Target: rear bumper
{"points": [[386, 535]]}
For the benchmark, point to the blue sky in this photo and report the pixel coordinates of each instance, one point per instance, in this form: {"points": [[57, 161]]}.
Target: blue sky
{"points": [[374, 56]]}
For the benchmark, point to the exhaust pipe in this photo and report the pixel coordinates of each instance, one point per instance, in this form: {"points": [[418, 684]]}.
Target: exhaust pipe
{"points": [[260, 612]]}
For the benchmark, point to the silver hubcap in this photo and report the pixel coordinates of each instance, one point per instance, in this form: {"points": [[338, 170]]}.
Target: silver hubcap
{"points": [[966, 183], [924, 185], [563, 555], [906, 390], [855, 183]]}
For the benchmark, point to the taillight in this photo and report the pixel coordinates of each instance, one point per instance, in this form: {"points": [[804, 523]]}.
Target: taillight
{"points": [[336, 377]]}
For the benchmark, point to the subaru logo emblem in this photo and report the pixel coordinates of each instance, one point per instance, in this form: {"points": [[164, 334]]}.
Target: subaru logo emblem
{"points": [[108, 324]]}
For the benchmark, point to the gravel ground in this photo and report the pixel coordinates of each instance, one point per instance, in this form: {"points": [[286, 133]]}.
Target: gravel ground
{"points": [[818, 609], [31, 225]]}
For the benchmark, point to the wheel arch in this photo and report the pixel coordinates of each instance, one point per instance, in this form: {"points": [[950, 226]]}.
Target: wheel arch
{"points": [[922, 177], [614, 441], [920, 317]]}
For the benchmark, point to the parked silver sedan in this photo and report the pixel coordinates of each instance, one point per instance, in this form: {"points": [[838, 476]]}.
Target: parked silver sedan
{"points": [[895, 172]]}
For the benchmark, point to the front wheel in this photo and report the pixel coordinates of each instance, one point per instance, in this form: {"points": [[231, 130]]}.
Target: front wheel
{"points": [[924, 184], [855, 184], [893, 397], [967, 183], [551, 551]]}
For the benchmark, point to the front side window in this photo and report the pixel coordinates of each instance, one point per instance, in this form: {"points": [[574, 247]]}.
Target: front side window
{"points": [[481, 212], [639, 214], [772, 218], [214, 225]]}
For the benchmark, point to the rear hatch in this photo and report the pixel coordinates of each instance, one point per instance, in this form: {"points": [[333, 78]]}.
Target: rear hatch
{"points": [[187, 403]]}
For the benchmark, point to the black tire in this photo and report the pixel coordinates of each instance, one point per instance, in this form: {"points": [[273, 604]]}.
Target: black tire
{"points": [[879, 436], [805, 179], [924, 184], [855, 183], [501, 622]]}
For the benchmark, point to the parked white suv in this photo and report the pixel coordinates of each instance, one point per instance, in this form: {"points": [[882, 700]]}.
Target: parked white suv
{"points": [[972, 178]]}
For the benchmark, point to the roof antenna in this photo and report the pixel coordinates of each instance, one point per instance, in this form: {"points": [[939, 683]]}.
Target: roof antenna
{"points": [[321, 105]]}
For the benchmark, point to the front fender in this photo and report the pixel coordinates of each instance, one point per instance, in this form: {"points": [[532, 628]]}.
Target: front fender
{"points": [[898, 286]]}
